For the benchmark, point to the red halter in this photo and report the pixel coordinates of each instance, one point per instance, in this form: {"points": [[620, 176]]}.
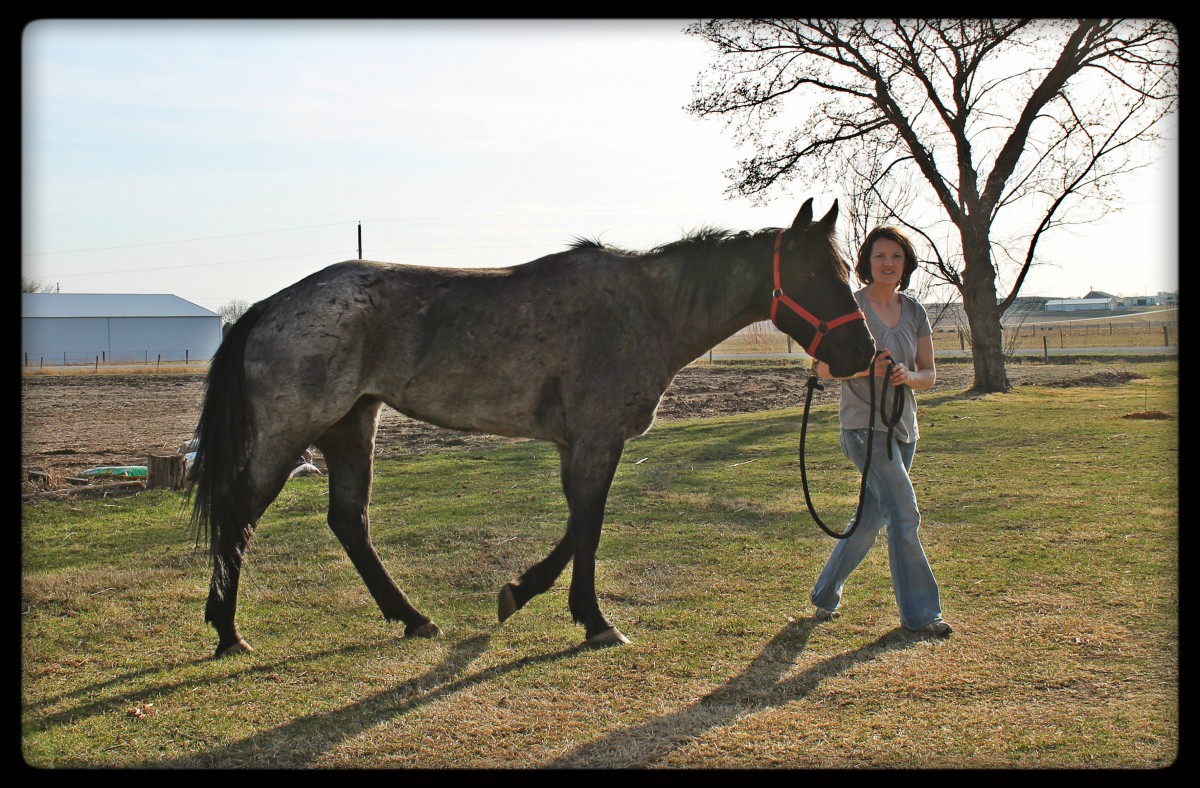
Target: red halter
{"points": [[822, 328]]}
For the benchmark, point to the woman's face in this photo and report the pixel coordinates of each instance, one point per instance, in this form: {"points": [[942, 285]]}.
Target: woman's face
{"points": [[887, 263]]}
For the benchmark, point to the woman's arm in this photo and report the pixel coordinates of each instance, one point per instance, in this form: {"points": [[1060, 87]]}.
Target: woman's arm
{"points": [[919, 379], [924, 375]]}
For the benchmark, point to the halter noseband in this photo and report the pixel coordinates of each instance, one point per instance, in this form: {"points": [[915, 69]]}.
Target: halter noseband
{"points": [[822, 327]]}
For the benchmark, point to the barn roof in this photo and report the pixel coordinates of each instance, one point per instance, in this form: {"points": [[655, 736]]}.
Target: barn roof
{"points": [[109, 305]]}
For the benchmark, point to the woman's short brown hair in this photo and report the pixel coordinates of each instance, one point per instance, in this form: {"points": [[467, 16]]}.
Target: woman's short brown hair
{"points": [[863, 267]]}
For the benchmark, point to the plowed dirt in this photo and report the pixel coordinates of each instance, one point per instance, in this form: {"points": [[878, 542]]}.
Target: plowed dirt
{"points": [[71, 423]]}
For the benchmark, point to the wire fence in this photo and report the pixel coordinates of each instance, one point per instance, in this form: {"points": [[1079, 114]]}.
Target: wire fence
{"points": [[147, 359], [763, 338], [1073, 334]]}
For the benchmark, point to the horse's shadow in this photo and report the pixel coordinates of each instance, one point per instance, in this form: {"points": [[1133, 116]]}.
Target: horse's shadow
{"points": [[276, 747], [761, 686]]}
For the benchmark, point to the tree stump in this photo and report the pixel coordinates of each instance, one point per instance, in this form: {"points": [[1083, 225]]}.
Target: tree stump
{"points": [[166, 471]]}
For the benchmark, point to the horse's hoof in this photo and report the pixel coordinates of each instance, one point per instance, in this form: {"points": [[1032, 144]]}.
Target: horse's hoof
{"points": [[240, 646], [426, 630], [609, 637], [507, 603]]}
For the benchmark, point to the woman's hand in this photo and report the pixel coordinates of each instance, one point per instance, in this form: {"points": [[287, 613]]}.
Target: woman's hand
{"points": [[900, 375]]}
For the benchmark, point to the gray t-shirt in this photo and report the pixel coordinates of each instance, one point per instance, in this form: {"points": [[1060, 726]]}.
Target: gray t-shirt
{"points": [[854, 412]]}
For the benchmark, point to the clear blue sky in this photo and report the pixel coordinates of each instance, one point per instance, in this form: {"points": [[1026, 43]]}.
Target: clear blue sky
{"points": [[227, 159]]}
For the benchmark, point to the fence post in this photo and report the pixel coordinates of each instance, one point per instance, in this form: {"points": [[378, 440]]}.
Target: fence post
{"points": [[97, 363], [962, 342], [1045, 349], [185, 357]]}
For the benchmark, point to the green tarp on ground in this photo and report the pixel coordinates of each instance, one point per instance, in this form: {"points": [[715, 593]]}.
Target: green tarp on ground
{"points": [[136, 471]]}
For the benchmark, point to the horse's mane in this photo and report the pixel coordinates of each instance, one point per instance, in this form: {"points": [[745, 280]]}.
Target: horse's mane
{"points": [[702, 244], [706, 237]]}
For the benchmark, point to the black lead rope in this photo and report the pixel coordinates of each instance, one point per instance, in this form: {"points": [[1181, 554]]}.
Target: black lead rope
{"points": [[897, 406], [897, 410]]}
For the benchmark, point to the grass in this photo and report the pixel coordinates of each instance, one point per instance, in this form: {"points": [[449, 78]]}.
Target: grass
{"points": [[1050, 518]]}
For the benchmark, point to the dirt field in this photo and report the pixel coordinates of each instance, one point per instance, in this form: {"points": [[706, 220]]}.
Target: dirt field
{"points": [[70, 423]]}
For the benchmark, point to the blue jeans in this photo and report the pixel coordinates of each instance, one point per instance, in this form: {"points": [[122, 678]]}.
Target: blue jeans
{"points": [[891, 501]]}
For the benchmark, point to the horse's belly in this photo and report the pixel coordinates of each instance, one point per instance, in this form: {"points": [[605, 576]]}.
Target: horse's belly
{"points": [[524, 409]]}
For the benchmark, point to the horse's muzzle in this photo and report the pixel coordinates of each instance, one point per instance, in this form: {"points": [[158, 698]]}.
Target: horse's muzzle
{"points": [[852, 360]]}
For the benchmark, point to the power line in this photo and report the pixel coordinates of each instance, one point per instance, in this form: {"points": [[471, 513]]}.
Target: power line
{"points": [[184, 240], [400, 219], [195, 265]]}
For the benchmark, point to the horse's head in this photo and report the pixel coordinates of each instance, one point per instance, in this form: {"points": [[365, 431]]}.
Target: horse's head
{"points": [[812, 301]]}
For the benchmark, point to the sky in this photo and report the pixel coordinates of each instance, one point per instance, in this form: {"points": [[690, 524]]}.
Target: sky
{"points": [[223, 160]]}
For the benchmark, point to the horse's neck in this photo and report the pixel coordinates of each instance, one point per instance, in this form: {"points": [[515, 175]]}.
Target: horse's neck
{"points": [[715, 298]]}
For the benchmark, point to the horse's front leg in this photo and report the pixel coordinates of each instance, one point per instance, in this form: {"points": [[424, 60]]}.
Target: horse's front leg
{"points": [[540, 577], [592, 466], [587, 473]]}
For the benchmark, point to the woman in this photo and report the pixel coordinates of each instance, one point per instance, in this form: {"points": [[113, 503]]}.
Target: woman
{"points": [[903, 336]]}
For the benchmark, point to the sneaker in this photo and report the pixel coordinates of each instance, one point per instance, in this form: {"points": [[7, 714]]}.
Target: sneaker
{"points": [[824, 614], [938, 628]]}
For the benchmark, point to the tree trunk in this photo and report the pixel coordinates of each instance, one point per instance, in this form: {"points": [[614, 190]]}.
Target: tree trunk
{"points": [[979, 302]]}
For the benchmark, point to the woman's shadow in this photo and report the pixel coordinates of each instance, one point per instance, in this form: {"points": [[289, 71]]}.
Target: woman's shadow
{"points": [[761, 686]]}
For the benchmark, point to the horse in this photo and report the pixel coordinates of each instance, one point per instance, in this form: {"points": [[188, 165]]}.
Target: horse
{"points": [[575, 348]]}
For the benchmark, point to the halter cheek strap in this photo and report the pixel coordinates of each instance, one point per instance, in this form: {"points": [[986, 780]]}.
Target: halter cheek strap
{"points": [[822, 327]]}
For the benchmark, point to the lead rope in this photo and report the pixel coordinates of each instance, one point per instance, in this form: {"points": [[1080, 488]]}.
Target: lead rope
{"points": [[897, 408]]}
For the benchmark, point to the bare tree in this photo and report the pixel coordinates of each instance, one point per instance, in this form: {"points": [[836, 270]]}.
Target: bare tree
{"points": [[232, 311], [35, 286], [1000, 119]]}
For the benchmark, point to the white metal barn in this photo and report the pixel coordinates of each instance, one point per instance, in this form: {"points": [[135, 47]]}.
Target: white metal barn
{"points": [[1080, 304], [80, 328]]}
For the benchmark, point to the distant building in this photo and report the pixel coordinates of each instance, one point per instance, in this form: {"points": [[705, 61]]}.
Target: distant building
{"points": [[78, 328], [1080, 304], [1161, 298]]}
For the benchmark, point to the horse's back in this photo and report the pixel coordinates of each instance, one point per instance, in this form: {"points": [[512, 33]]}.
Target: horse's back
{"points": [[501, 350]]}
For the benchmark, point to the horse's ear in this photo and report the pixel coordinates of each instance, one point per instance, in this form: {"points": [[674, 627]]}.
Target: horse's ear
{"points": [[830, 220], [804, 218]]}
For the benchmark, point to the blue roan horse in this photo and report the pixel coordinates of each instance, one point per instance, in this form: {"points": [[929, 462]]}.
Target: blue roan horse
{"points": [[574, 348]]}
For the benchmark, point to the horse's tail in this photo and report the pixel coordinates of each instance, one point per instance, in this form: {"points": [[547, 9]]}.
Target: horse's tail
{"points": [[223, 441]]}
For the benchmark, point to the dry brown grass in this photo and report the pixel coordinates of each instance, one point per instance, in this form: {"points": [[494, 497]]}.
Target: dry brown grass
{"points": [[170, 368], [1051, 521]]}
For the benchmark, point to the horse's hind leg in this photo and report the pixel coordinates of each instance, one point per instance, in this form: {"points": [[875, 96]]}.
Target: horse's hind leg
{"points": [[253, 492], [348, 447]]}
